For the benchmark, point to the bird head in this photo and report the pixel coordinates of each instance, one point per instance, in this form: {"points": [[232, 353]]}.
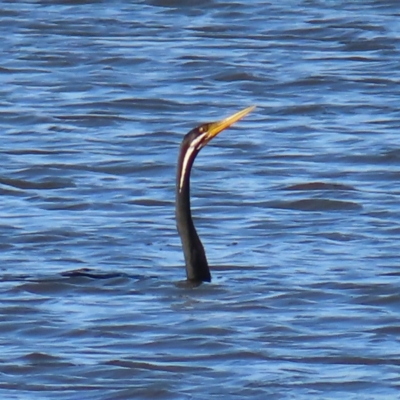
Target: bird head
{"points": [[198, 137]]}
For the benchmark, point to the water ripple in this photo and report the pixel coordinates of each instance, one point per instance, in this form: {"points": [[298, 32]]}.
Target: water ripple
{"points": [[297, 205]]}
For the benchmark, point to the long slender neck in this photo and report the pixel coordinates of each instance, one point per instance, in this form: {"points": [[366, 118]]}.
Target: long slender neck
{"points": [[197, 269]]}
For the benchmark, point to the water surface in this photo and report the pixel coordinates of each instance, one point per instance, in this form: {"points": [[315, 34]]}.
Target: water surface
{"points": [[297, 205]]}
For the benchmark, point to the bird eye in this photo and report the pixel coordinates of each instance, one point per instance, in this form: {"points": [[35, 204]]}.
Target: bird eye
{"points": [[201, 129]]}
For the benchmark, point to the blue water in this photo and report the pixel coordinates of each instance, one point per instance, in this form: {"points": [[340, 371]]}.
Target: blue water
{"points": [[297, 204]]}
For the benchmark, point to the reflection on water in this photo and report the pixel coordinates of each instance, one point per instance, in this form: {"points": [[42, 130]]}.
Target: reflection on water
{"points": [[297, 205]]}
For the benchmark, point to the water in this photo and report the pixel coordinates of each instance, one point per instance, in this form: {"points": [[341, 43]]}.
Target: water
{"points": [[297, 205]]}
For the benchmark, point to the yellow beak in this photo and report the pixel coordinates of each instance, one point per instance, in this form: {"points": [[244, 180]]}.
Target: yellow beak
{"points": [[219, 126]]}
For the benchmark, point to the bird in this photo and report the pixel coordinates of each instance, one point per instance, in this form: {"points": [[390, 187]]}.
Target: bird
{"points": [[197, 269]]}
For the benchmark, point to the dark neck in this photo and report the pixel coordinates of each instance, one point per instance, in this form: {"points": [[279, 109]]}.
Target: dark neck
{"points": [[195, 257]]}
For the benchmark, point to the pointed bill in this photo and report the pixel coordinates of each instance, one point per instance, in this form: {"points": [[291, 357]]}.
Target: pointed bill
{"points": [[219, 126]]}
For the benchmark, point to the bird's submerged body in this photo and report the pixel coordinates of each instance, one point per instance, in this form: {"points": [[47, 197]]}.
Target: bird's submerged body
{"points": [[197, 269]]}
